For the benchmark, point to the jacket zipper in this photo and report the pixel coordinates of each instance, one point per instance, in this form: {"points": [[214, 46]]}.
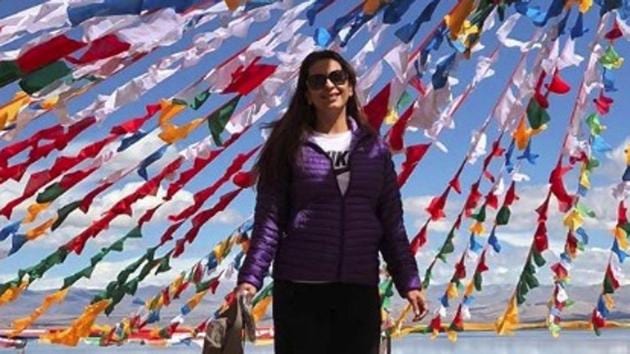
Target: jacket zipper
{"points": [[343, 198]]}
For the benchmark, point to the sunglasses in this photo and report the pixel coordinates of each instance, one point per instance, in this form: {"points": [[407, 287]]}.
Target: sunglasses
{"points": [[318, 81]]}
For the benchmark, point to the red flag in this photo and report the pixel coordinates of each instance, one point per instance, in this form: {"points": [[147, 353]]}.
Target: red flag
{"points": [[168, 234], [244, 179], [47, 53], [9, 151], [458, 320], [179, 247], [148, 215], [458, 221], [482, 266], [565, 200], [598, 320], [197, 273], [622, 212], [72, 178], [541, 99], [64, 163], [200, 219], [420, 239], [510, 196], [559, 270], [436, 323], [214, 283], [543, 209], [246, 80], [436, 207], [492, 200], [397, 132], [204, 194], [614, 33], [87, 200], [14, 172], [456, 185], [541, 241], [166, 297], [376, 109], [132, 125], [603, 103], [614, 282], [473, 198], [199, 164], [460, 269], [558, 85], [101, 48], [571, 244], [413, 155]]}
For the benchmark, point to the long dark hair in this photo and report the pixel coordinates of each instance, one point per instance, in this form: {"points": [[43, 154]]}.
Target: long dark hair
{"points": [[287, 133]]}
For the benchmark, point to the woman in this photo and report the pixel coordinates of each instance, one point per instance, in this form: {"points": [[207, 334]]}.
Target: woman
{"points": [[327, 203]]}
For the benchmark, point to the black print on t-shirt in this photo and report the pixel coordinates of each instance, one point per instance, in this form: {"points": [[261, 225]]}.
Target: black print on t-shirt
{"points": [[339, 161]]}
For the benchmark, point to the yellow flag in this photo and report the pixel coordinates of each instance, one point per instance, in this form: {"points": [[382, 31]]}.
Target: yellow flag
{"points": [[470, 288], [50, 103], [626, 151], [169, 110], [176, 283], [80, 327], [401, 318], [233, 4], [455, 20], [435, 333], [452, 291], [622, 238], [506, 323], [21, 324], [370, 6], [221, 249], [477, 228], [10, 111], [610, 301], [261, 308], [573, 220], [584, 5], [196, 299], [521, 135], [585, 179], [33, 210], [391, 117], [13, 293], [40, 230], [452, 336], [172, 133]]}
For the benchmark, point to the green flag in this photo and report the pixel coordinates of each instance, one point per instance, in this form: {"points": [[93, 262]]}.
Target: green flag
{"points": [[536, 115], [219, 118], [503, 216], [43, 77], [63, 213]]}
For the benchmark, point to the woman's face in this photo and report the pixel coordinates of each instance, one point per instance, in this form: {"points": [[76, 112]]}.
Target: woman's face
{"points": [[328, 87]]}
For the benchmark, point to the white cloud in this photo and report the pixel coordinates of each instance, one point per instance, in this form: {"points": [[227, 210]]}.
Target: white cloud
{"points": [[615, 163]]}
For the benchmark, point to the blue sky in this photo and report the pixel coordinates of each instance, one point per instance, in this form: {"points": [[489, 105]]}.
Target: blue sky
{"points": [[428, 180]]}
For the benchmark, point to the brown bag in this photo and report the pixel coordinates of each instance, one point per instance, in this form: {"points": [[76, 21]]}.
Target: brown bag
{"points": [[224, 335]]}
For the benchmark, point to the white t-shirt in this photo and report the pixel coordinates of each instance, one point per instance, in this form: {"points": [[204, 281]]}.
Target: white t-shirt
{"points": [[337, 146]]}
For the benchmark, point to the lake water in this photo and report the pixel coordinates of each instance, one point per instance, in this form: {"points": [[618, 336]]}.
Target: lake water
{"points": [[526, 342]]}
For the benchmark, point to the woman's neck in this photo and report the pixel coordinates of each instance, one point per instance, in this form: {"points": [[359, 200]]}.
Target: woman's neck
{"points": [[332, 123]]}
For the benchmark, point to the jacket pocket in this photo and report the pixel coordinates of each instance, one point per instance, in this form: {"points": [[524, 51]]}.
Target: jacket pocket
{"points": [[299, 219]]}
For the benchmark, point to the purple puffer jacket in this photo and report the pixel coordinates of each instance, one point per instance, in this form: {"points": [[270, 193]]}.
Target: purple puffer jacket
{"points": [[313, 233]]}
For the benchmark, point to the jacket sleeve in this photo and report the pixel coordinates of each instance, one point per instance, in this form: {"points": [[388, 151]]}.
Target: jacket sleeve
{"points": [[270, 218], [394, 246]]}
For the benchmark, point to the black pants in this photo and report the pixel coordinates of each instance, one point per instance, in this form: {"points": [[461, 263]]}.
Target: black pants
{"points": [[329, 318]]}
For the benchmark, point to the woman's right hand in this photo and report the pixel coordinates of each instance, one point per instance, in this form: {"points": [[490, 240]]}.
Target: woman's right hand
{"points": [[247, 290]]}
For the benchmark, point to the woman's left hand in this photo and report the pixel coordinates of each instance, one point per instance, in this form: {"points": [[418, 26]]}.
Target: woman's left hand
{"points": [[418, 303]]}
